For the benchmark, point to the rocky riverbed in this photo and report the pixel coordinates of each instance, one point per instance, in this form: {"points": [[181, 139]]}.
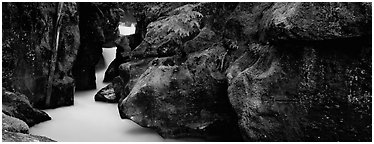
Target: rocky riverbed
{"points": [[218, 71]]}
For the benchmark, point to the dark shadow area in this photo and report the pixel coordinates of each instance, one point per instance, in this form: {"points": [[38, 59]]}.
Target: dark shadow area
{"points": [[101, 64]]}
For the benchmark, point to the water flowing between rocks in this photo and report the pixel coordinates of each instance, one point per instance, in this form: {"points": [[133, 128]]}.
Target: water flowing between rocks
{"points": [[88, 120]]}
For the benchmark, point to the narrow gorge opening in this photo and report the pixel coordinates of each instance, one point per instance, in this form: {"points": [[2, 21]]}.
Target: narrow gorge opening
{"points": [[94, 121], [264, 71]]}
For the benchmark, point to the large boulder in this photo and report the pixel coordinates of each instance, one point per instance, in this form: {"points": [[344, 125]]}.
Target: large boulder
{"points": [[14, 124], [8, 136], [183, 100], [316, 21], [28, 43], [106, 94], [17, 105]]}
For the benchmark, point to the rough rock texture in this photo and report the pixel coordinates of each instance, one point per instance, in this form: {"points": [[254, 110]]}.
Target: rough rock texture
{"points": [[295, 72], [144, 14], [8, 136], [147, 13], [17, 105], [107, 94], [14, 125], [307, 97], [183, 100], [17, 130], [28, 40], [316, 21], [204, 40], [129, 73], [166, 36], [297, 90], [98, 25]]}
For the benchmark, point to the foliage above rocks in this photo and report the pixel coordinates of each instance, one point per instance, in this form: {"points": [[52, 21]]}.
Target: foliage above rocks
{"points": [[165, 36]]}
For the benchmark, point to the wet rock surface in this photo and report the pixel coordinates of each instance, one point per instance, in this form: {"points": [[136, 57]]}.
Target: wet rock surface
{"points": [[17, 105], [181, 101], [8, 136], [107, 94], [14, 125], [17, 116]]}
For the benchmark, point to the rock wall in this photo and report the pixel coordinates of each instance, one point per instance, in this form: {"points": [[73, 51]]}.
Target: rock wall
{"points": [[294, 71], [308, 80], [29, 31]]}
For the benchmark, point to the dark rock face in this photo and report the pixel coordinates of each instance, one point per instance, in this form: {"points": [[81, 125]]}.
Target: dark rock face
{"points": [[20, 137], [14, 125], [307, 97], [204, 40], [129, 48], [317, 21], [29, 35], [291, 71], [97, 24], [182, 100], [297, 90], [17, 105]]}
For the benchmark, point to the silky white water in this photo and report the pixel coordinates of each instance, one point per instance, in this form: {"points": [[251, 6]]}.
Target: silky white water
{"points": [[88, 120]]}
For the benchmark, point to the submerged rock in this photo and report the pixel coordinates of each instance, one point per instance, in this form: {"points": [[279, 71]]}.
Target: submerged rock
{"points": [[107, 94], [14, 124], [187, 100], [17, 105]]}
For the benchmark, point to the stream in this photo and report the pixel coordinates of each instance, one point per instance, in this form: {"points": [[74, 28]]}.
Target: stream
{"points": [[91, 121]]}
